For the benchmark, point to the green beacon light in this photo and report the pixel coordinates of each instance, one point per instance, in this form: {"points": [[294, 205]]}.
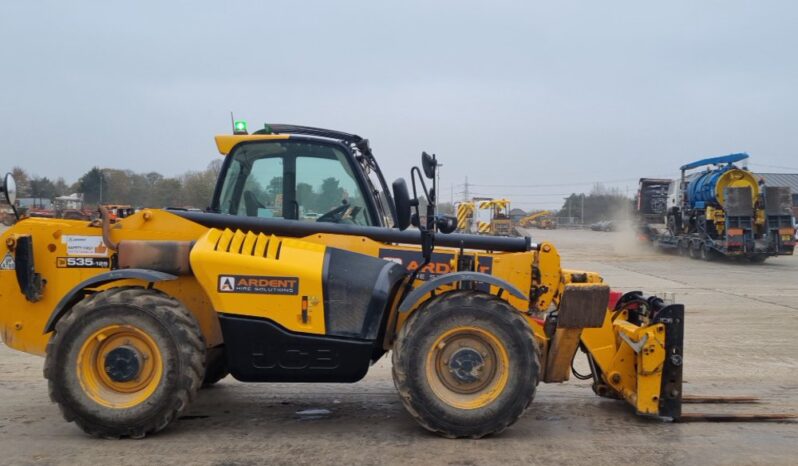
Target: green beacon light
{"points": [[240, 127]]}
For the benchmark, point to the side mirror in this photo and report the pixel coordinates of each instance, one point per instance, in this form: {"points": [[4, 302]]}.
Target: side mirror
{"points": [[401, 199], [10, 189], [428, 164]]}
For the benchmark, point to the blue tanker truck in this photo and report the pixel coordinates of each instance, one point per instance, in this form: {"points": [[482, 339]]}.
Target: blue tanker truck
{"points": [[717, 209]]}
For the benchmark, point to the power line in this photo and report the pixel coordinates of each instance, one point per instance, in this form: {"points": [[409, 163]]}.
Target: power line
{"points": [[772, 166], [516, 204], [578, 183], [515, 194], [575, 183]]}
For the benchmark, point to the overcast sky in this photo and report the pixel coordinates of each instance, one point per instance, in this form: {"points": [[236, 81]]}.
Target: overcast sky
{"points": [[543, 97]]}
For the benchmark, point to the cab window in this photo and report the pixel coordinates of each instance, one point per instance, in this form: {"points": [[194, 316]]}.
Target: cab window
{"points": [[296, 180]]}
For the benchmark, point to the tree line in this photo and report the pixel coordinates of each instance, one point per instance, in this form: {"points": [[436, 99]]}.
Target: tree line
{"points": [[601, 203], [195, 189], [114, 186]]}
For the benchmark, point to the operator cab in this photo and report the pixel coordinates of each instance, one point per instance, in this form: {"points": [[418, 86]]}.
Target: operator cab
{"points": [[313, 175], [305, 174]]}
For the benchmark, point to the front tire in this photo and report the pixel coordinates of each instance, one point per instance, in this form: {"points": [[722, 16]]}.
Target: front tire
{"points": [[466, 365], [125, 362]]}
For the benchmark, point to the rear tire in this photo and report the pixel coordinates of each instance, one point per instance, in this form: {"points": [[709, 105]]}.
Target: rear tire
{"points": [[125, 362], [466, 365]]}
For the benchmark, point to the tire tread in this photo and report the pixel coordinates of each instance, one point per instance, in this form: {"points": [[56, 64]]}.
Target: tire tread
{"points": [[174, 316], [441, 303]]}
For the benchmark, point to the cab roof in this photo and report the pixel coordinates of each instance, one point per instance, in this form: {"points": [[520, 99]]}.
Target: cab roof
{"points": [[226, 142]]}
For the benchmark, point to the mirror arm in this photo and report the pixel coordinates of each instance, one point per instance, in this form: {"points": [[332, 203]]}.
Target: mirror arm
{"points": [[431, 198], [415, 202], [431, 224], [413, 172], [427, 237], [428, 229]]}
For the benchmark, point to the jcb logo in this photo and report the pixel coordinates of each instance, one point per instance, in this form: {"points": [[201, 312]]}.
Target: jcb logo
{"points": [[319, 359]]}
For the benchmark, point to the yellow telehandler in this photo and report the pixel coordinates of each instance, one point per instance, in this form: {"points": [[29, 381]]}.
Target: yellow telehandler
{"points": [[540, 220], [304, 269]]}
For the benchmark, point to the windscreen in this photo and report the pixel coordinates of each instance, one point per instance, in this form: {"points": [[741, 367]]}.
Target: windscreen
{"points": [[296, 180]]}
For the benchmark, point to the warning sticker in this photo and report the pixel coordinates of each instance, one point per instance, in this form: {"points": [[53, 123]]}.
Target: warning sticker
{"points": [[85, 246], [258, 284], [83, 263], [8, 263]]}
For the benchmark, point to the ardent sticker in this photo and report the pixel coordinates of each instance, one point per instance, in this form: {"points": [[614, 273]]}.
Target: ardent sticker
{"points": [[411, 260], [441, 263], [258, 284], [77, 245], [8, 263], [83, 263]]}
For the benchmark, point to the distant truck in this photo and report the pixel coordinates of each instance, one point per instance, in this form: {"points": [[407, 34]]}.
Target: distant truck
{"points": [[721, 211], [485, 216]]}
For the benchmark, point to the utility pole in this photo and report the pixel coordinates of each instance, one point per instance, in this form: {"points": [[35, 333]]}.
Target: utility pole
{"points": [[568, 201], [583, 209], [437, 187]]}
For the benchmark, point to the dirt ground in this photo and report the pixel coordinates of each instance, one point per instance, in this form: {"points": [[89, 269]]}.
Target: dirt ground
{"points": [[741, 329]]}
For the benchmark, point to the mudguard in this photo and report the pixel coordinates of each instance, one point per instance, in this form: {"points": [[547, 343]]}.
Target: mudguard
{"points": [[76, 293], [414, 296]]}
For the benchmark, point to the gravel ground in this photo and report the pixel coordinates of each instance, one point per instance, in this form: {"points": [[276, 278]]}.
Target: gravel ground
{"points": [[740, 340]]}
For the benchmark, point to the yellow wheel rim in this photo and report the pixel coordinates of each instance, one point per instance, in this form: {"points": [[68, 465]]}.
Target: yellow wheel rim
{"points": [[467, 367], [119, 366]]}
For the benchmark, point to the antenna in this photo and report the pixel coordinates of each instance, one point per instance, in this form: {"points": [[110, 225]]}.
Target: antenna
{"points": [[232, 121]]}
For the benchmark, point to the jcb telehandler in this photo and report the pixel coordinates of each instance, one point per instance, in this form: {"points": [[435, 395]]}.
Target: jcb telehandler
{"points": [[304, 269]]}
